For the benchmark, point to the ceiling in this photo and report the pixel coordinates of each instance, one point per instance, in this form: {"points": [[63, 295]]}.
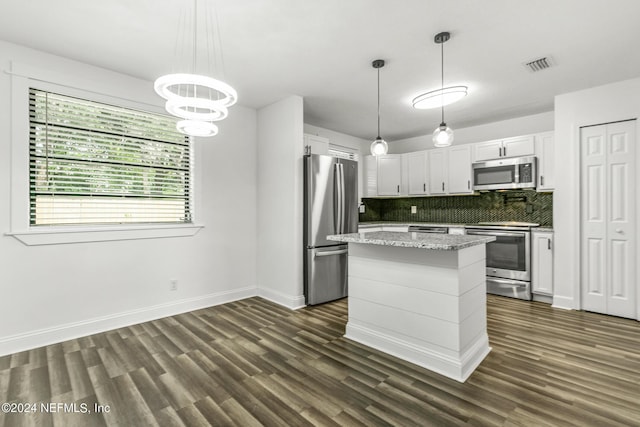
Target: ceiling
{"points": [[322, 50]]}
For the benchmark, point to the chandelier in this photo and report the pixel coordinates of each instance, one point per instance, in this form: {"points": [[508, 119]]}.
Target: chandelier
{"points": [[197, 99]]}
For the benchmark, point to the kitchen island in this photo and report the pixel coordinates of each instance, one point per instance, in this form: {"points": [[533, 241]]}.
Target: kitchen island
{"points": [[420, 297]]}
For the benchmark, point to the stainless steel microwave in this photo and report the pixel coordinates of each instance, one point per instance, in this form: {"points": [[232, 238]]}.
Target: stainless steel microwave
{"points": [[505, 174]]}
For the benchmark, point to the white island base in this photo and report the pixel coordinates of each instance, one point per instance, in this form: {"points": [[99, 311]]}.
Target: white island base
{"points": [[422, 305]]}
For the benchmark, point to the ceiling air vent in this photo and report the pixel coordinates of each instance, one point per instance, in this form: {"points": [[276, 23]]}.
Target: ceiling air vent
{"points": [[539, 64]]}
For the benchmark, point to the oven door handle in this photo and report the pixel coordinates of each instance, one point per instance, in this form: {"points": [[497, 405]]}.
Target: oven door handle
{"points": [[506, 283], [497, 233]]}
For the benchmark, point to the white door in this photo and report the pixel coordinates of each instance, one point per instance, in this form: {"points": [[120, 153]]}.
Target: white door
{"points": [[460, 170], [438, 171], [389, 174], [417, 173], [608, 237]]}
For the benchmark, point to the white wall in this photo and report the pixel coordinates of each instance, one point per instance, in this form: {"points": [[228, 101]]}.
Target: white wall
{"points": [[280, 151], [603, 104], [344, 140], [52, 293], [536, 123]]}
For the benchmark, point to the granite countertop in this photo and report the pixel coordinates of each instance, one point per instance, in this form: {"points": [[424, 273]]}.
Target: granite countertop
{"points": [[440, 242]]}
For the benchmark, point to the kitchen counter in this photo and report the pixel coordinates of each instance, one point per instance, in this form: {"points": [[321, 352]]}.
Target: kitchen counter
{"points": [[439, 242], [419, 297]]}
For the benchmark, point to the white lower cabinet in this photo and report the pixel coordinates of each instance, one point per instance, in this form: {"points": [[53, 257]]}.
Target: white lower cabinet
{"points": [[542, 262]]}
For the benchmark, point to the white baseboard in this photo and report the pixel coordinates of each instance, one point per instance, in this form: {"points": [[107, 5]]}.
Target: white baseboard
{"points": [[565, 303], [55, 334], [292, 302], [458, 369]]}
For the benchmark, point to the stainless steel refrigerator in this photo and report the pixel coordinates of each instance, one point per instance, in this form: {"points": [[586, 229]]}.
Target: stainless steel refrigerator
{"points": [[330, 207]]}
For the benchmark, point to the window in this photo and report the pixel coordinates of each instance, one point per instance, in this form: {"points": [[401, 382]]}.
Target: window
{"points": [[94, 163]]}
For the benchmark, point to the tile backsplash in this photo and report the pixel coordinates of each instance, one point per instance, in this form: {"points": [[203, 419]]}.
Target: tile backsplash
{"points": [[522, 206]]}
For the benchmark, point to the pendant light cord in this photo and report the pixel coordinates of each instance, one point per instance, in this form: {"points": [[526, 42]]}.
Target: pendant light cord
{"points": [[378, 103], [442, 81]]}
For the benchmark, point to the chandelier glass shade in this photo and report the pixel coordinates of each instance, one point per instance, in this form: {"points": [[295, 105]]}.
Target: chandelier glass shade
{"points": [[442, 136], [196, 98], [379, 147], [439, 97]]}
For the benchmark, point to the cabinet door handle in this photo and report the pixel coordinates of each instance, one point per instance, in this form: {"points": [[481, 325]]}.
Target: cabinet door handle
{"points": [[443, 186], [549, 244], [541, 180], [504, 151], [398, 189], [424, 187], [468, 184], [499, 151]]}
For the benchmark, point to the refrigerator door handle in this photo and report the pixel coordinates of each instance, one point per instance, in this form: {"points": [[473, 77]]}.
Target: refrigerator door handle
{"points": [[331, 253], [342, 200], [337, 199]]}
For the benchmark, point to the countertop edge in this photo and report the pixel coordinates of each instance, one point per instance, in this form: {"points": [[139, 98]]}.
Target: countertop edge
{"points": [[427, 241]]}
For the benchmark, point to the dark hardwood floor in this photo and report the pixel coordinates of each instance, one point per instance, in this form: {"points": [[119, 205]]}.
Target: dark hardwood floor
{"points": [[253, 362]]}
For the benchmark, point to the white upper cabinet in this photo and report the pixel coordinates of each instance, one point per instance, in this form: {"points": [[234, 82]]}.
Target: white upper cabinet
{"points": [[509, 147], [438, 177], [390, 175], [488, 150], [546, 161], [518, 146], [317, 144], [417, 183], [459, 165]]}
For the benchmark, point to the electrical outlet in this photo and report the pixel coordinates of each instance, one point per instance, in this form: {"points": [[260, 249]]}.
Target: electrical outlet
{"points": [[173, 285], [414, 209]]}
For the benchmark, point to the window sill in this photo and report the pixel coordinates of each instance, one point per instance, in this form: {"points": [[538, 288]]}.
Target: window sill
{"points": [[65, 235]]}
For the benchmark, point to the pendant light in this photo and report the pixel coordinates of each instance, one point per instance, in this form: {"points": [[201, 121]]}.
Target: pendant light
{"points": [[442, 135], [379, 146], [199, 100]]}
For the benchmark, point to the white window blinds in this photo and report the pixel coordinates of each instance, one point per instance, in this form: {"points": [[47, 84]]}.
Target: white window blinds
{"points": [[93, 163]]}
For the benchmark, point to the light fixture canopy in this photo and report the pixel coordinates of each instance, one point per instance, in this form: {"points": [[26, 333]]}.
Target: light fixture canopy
{"points": [[379, 146], [439, 97], [196, 98]]}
